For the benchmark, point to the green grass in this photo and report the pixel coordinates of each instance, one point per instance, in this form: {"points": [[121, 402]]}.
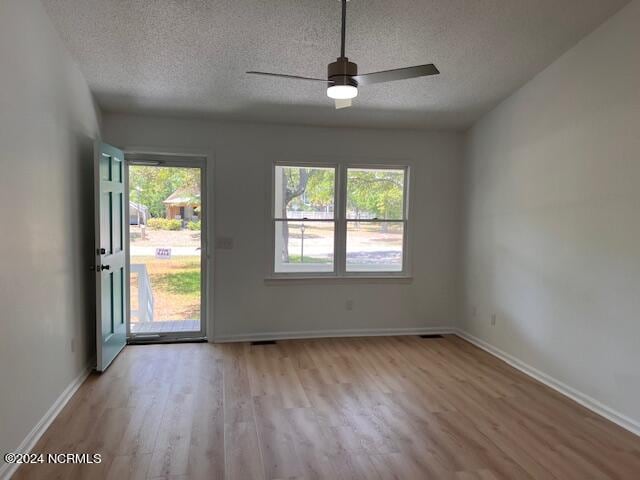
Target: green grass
{"points": [[185, 282], [175, 284], [296, 259]]}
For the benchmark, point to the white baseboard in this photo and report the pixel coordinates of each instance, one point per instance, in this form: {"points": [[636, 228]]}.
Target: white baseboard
{"points": [[7, 470], [354, 332], [575, 395]]}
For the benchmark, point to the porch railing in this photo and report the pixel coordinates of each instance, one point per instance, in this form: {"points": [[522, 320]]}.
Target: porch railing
{"points": [[144, 313]]}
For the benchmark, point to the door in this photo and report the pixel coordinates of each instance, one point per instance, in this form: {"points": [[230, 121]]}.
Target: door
{"points": [[111, 330], [166, 250]]}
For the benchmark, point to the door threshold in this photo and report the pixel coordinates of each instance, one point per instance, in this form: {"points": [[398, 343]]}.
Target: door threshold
{"points": [[157, 339]]}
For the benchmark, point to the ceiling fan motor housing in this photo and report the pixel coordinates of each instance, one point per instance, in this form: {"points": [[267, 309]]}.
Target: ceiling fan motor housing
{"points": [[342, 71]]}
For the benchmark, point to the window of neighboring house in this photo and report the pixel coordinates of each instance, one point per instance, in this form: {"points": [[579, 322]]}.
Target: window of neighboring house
{"points": [[365, 235]]}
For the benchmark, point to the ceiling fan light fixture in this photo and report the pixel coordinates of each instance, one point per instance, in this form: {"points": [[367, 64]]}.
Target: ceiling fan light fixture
{"points": [[342, 92], [342, 75]]}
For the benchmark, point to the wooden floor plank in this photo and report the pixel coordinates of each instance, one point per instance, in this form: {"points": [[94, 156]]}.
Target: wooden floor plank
{"points": [[129, 467], [354, 408]]}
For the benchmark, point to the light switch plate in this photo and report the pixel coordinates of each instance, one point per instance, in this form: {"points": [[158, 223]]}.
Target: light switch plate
{"points": [[224, 243]]}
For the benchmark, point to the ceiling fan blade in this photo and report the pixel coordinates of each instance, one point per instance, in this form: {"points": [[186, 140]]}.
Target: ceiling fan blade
{"points": [[343, 103], [397, 74], [291, 77]]}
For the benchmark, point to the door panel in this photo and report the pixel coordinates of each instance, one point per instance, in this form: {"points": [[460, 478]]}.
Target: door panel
{"points": [[117, 222], [110, 254]]}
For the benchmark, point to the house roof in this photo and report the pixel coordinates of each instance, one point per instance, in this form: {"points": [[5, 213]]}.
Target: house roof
{"points": [[138, 206], [184, 196]]}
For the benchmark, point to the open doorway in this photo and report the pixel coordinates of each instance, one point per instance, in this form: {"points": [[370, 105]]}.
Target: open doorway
{"points": [[166, 243]]}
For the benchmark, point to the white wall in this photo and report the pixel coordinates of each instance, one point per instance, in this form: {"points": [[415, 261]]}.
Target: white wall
{"points": [[553, 219], [244, 304], [47, 120]]}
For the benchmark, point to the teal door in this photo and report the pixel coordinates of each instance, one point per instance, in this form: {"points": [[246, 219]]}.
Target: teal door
{"points": [[110, 211]]}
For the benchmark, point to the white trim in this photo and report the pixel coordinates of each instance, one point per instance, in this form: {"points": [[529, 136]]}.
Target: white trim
{"points": [[207, 315], [333, 280], [8, 469], [354, 332], [560, 387], [341, 165]]}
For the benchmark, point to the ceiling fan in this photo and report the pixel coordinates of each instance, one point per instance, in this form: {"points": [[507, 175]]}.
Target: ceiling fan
{"points": [[342, 75]]}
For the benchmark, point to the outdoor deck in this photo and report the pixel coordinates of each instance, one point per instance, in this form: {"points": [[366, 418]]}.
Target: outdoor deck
{"points": [[166, 326]]}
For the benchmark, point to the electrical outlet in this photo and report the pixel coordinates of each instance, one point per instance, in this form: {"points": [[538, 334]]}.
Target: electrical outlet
{"points": [[493, 320], [73, 345], [348, 304]]}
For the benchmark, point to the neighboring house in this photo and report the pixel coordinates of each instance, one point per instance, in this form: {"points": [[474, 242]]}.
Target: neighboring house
{"points": [[138, 214], [183, 204]]}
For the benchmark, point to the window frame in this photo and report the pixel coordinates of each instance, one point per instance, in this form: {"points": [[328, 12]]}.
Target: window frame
{"points": [[340, 221], [273, 219], [404, 272]]}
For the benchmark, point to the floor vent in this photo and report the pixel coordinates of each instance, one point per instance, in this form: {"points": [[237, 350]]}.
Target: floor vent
{"points": [[437, 335], [264, 342]]}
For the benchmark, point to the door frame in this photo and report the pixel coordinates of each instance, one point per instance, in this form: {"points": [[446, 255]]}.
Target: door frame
{"points": [[164, 157]]}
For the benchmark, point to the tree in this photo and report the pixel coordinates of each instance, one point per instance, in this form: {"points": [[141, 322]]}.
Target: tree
{"points": [[377, 193], [294, 184], [304, 189], [320, 190], [150, 186], [372, 193]]}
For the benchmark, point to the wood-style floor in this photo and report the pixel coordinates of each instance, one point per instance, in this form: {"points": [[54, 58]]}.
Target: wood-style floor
{"points": [[360, 408]]}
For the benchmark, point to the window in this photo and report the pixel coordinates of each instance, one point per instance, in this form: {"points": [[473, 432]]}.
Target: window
{"points": [[339, 220], [375, 220], [304, 219]]}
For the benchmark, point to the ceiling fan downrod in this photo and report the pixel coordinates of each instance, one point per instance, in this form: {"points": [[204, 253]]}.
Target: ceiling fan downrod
{"points": [[342, 71]]}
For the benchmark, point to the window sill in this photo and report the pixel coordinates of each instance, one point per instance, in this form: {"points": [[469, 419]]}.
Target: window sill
{"points": [[331, 280]]}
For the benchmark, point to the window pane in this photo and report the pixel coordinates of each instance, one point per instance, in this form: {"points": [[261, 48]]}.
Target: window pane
{"points": [[375, 193], [374, 246], [303, 246], [304, 192]]}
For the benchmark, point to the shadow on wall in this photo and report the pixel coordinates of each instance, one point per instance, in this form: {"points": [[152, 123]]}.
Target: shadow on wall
{"points": [[81, 170]]}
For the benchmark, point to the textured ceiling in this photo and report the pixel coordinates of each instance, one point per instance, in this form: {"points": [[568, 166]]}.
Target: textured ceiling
{"points": [[188, 57]]}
